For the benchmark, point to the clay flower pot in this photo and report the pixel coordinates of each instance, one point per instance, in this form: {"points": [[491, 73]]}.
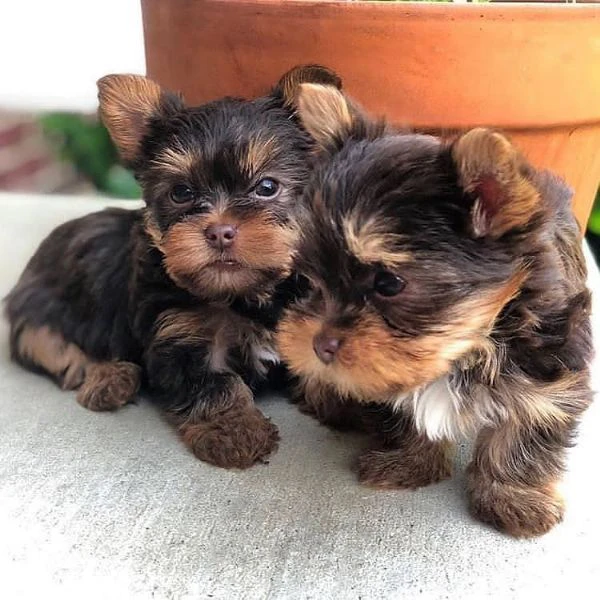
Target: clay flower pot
{"points": [[532, 70]]}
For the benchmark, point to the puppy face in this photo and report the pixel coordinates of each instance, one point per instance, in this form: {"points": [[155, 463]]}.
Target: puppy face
{"points": [[221, 184], [412, 250], [220, 181]]}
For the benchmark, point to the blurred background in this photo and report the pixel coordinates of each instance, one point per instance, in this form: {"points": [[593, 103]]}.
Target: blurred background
{"points": [[50, 138], [52, 54]]}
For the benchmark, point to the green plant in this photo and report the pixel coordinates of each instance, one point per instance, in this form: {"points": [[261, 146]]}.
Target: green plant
{"points": [[84, 142], [594, 221]]}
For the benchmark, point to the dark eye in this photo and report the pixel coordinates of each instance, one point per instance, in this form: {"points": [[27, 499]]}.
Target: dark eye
{"points": [[387, 284], [266, 188], [182, 194], [302, 286]]}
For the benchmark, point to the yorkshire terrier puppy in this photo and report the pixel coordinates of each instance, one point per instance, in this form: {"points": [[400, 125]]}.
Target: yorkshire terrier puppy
{"points": [[448, 297], [181, 295]]}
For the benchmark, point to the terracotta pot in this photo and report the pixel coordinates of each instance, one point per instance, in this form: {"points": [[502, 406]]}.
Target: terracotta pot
{"points": [[530, 70]]}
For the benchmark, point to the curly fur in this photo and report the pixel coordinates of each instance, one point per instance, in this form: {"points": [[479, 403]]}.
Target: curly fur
{"points": [[488, 333], [127, 296]]}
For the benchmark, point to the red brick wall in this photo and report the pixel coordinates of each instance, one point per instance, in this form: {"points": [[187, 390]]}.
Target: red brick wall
{"points": [[27, 164]]}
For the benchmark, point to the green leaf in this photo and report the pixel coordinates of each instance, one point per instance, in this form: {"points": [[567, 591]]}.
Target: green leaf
{"points": [[121, 183], [85, 143], [594, 220]]}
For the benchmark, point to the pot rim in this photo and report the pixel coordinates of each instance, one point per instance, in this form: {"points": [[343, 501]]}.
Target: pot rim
{"points": [[551, 8]]}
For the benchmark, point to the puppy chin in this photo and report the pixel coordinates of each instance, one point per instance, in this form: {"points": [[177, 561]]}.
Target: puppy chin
{"points": [[337, 379], [224, 279], [343, 381], [260, 258]]}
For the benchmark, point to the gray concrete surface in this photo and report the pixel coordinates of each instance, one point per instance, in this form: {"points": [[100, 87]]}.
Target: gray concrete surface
{"points": [[113, 506]]}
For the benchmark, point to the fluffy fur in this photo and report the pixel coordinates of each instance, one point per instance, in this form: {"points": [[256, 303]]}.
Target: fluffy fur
{"points": [[447, 297], [183, 294]]}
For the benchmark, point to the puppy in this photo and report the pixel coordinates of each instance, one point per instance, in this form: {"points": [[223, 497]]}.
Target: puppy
{"points": [[447, 297], [182, 294]]}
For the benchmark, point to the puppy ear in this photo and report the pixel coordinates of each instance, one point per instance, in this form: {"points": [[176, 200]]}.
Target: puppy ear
{"points": [[492, 170], [289, 85], [324, 112], [127, 103]]}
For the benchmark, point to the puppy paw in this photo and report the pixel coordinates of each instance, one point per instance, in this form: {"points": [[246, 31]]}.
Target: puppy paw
{"points": [[109, 385], [72, 377], [402, 469], [235, 439], [519, 511], [337, 414]]}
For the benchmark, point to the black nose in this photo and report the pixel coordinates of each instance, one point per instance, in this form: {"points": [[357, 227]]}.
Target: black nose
{"points": [[220, 236], [326, 347]]}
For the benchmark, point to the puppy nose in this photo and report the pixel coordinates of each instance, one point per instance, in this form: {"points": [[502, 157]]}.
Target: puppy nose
{"points": [[220, 236], [326, 347]]}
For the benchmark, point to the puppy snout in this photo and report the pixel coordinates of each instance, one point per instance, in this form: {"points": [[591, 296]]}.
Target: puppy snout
{"points": [[326, 347], [220, 236]]}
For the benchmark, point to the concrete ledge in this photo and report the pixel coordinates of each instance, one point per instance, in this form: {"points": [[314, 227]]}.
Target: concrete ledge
{"points": [[113, 506]]}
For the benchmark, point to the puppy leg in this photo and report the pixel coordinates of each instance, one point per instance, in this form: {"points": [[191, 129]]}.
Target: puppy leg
{"points": [[329, 408], [102, 386], [407, 459], [225, 428], [214, 411], [109, 385], [41, 349], [516, 467], [512, 479]]}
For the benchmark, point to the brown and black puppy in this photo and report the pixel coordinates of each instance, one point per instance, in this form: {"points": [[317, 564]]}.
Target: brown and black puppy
{"points": [[448, 297], [184, 293]]}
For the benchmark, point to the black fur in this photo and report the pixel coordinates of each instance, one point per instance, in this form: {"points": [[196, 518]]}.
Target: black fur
{"points": [[493, 308], [110, 285]]}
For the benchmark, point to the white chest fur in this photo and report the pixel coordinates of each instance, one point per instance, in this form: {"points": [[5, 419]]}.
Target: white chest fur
{"points": [[435, 409], [267, 354], [264, 356]]}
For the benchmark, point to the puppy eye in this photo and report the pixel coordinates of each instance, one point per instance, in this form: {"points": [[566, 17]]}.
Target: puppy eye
{"points": [[266, 188], [182, 194], [388, 284]]}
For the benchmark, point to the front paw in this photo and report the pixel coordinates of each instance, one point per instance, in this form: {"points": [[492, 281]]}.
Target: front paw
{"points": [[235, 439], [520, 511], [343, 415], [109, 385], [400, 468]]}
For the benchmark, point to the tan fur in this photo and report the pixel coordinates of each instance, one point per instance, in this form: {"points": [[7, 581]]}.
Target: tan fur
{"points": [[176, 161], [372, 363], [109, 385], [152, 229], [126, 104], [257, 155], [550, 404], [323, 111], [370, 245], [230, 432], [260, 244], [328, 407], [189, 326], [265, 245], [101, 386], [50, 351], [506, 399], [291, 81], [482, 155], [416, 463], [236, 438], [518, 509], [513, 481], [220, 329]]}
